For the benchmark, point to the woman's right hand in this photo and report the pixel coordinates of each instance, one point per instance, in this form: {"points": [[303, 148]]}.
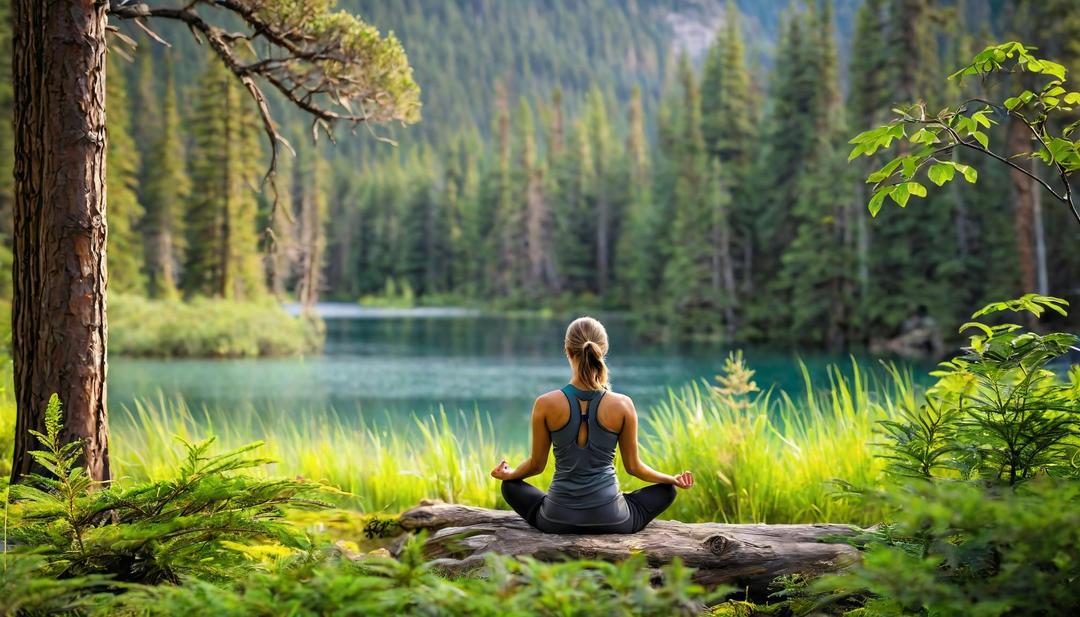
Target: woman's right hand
{"points": [[684, 480]]}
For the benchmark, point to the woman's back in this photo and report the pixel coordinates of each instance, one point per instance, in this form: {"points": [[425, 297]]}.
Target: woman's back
{"points": [[583, 423], [584, 454]]}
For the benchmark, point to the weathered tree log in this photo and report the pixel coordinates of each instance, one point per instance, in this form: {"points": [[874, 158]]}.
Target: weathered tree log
{"points": [[747, 556]]}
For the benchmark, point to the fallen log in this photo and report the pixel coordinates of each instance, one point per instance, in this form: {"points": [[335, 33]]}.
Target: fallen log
{"points": [[746, 556]]}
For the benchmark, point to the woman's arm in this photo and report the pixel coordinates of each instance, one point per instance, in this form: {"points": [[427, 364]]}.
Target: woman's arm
{"points": [[628, 448], [541, 445]]}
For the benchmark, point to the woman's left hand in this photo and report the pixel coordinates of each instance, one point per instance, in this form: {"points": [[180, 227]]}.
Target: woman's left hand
{"points": [[501, 471]]}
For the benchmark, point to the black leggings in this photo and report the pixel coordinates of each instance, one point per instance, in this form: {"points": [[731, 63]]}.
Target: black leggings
{"points": [[644, 505]]}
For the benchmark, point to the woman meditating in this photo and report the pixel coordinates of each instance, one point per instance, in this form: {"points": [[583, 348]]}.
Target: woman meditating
{"points": [[584, 421]]}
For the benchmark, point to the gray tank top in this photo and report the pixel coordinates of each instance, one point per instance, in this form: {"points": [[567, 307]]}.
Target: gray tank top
{"points": [[584, 475]]}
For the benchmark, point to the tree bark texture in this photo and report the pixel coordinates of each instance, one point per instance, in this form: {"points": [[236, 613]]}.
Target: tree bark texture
{"points": [[747, 556], [58, 310]]}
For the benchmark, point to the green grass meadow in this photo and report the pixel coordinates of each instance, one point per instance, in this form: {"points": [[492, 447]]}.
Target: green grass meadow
{"points": [[770, 457]]}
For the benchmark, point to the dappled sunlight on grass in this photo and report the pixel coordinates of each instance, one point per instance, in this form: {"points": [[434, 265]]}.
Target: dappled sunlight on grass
{"points": [[770, 458]]}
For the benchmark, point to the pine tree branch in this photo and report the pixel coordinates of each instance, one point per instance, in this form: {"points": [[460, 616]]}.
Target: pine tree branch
{"points": [[331, 65], [216, 38]]}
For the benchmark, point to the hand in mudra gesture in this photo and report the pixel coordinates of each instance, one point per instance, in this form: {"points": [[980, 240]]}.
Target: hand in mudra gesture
{"points": [[501, 471], [684, 480]]}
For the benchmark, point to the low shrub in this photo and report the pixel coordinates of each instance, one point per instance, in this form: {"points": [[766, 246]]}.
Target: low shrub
{"points": [[206, 327], [201, 522], [411, 585], [983, 510], [958, 549], [26, 589]]}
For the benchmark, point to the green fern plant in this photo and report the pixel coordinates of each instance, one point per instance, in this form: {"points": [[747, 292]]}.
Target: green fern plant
{"points": [[68, 483], [197, 523], [414, 585], [25, 589], [920, 444]]}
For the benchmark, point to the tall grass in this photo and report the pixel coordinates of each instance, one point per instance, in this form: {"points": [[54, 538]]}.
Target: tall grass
{"points": [[771, 458], [441, 457], [774, 458]]}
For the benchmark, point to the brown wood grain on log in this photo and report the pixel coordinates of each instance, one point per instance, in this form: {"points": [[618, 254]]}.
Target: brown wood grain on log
{"points": [[748, 556]]}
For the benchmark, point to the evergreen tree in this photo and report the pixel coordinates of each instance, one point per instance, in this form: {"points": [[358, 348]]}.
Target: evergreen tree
{"points": [[509, 213], [907, 268], [282, 252], [816, 283], [788, 143], [601, 193], [721, 267], [665, 172], [636, 265], [146, 101], [866, 104], [726, 103], [222, 240], [312, 207], [688, 277], [124, 254], [462, 200], [557, 183], [576, 231], [541, 262], [166, 192], [729, 127]]}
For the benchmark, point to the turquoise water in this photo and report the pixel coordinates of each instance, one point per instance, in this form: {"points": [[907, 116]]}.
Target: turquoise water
{"points": [[385, 366]]}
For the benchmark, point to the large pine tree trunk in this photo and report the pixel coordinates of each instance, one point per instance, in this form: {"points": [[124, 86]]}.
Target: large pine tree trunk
{"points": [[58, 310]]}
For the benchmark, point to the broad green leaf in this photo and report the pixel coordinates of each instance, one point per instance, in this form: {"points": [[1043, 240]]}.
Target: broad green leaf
{"points": [[940, 173], [970, 174], [868, 136], [981, 138], [876, 200], [910, 164], [925, 136], [1053, 68], [1060, 149], [980, 118], [900, 194], [916, 189], [883, 173]]}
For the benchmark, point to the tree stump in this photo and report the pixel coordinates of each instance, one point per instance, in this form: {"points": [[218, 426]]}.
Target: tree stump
{"points": [[746, 556]]}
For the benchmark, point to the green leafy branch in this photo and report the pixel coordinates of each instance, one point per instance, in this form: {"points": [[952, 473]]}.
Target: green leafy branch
{"points": [[930, 139]]}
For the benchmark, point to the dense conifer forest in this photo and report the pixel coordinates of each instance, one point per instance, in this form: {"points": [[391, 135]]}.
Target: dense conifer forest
{"points": [[684, 161], [784, 175]]}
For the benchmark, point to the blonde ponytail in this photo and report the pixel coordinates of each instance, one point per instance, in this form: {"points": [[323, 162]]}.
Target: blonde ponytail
{"points": [[587, 344]]}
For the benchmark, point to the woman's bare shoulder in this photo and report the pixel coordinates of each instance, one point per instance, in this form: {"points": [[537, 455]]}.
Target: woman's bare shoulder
{"points": [[620, 401], [551, 399]]}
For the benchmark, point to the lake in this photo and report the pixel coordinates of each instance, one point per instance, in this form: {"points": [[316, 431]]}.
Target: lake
{"points": [[386, 365]]}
